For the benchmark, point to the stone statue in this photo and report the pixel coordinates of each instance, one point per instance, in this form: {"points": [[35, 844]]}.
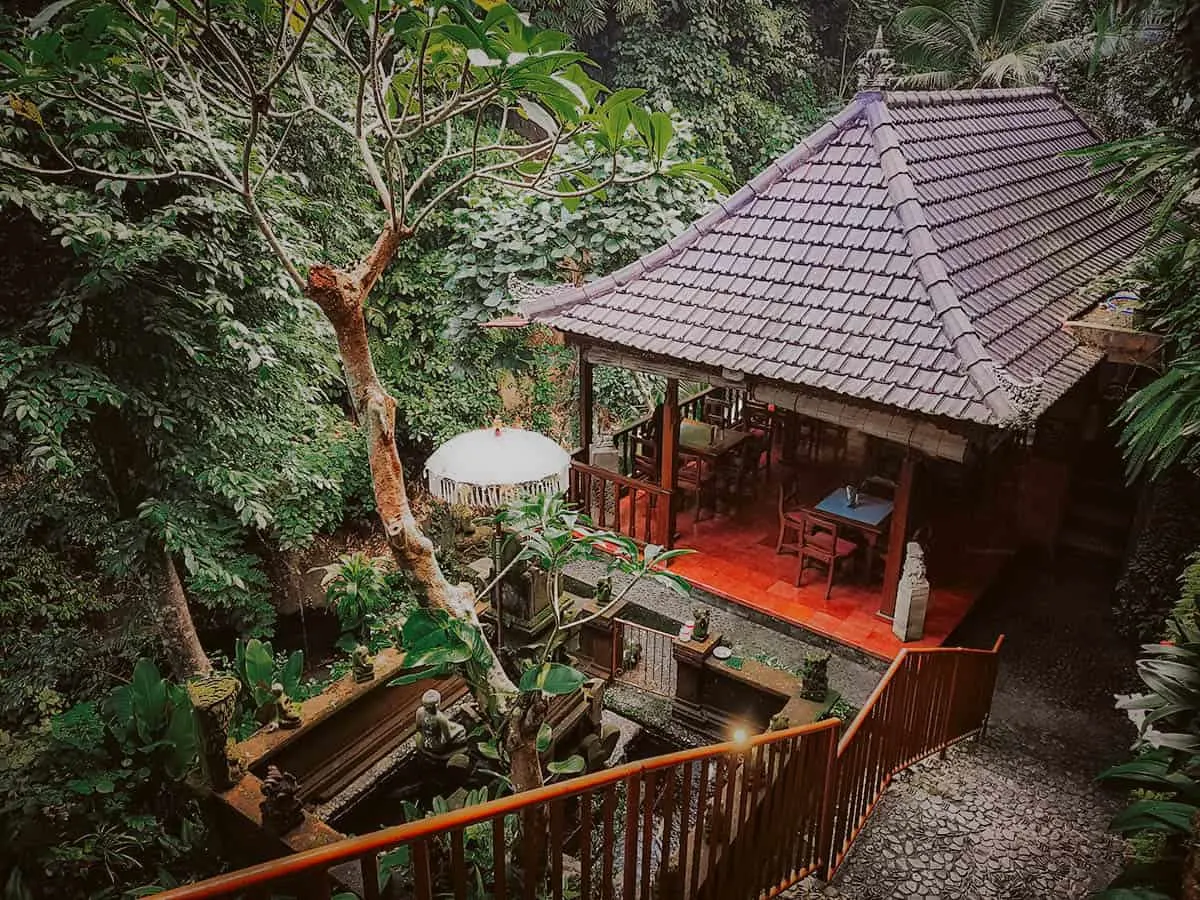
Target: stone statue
{"points": [[436, 734], [779, 722], [285, 714], [814, 677], [281, 808], [912, 595], [876, 66], [364, 666], [701, 617], [214, 704]]}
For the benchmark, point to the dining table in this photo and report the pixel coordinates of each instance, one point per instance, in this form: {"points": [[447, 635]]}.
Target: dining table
{"points": [[869, 516], [709, 442]]}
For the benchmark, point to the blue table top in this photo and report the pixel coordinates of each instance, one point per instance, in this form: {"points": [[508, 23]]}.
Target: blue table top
{"points": [[871, 511]]}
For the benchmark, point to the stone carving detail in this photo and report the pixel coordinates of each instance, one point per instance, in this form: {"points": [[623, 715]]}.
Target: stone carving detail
{"points": [[876, 67], [364, 666], [912, 596], [285, 715], [1027, 398], [814, 677], [281, 808], [214, 703], [436, 734]]}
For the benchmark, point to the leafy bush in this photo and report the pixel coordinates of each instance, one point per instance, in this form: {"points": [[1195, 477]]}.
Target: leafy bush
{"points": [[91, 800], [356, 586]]}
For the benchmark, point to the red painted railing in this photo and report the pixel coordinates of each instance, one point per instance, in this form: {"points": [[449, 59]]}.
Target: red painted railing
{"points": [[929, 699], [637, 509], [730, 821]]}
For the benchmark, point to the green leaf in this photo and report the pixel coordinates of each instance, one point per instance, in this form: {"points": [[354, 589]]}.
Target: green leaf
{"points": [[544, 736], [1154, 815], [572, 765], [552, 678]]}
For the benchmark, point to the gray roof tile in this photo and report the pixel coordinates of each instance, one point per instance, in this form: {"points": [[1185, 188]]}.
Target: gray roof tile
{"points": [[910, 283]]}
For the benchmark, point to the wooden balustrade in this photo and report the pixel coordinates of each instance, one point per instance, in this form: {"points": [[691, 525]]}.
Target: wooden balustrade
{"points": [[929, 699], [735, 821], [732, 415], [730, 821], [637, 509]]}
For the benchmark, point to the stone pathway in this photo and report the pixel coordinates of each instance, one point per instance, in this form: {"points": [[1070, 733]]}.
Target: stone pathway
{"points": [[1019, 815]]}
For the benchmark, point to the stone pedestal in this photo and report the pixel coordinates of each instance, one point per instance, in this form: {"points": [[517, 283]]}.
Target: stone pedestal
{"points": [[603, 454], [214, 703], [912, 596]]}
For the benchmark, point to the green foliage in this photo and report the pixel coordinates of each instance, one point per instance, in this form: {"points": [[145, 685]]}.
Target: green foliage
{"points": [[154, 366], [553, 679], [257, 667], [152, 718], [740, 71], [506, 233], [356, 587], [1164, 775], [950, 43], [91, 799]]}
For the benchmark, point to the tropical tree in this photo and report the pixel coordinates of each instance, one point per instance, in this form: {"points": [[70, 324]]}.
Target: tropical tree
{"points": [[429, 97], [956, 43]]}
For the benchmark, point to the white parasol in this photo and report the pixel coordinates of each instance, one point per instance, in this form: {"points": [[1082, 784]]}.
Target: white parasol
{"points": [[491, 466]]}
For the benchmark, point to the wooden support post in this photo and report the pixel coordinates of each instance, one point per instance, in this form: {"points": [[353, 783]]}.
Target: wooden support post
{"points": [[586, 406], [669, 457], [897, 536]]}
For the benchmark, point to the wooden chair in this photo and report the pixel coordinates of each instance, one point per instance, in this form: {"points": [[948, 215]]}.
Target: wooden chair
{"points": [[804, 439], [716, 411], [695, 479], [791, 519], [832, 439], [878, 486], [819, 540], [759, 422]]}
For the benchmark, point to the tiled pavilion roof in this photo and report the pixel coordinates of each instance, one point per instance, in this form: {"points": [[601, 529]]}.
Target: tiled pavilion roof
{"points": [[920, 250]]}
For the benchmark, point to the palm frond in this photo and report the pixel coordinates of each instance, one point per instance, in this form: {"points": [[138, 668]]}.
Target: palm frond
{"points": [[1042, 18], [1015, 69], [935, 80], [1162, 421]]}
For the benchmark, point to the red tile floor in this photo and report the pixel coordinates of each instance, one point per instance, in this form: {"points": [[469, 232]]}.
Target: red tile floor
{"points": [[736, 560]]}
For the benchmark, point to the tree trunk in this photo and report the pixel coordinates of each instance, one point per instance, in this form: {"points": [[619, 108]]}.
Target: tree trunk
{"points": [[341, 295], [178, 631]]}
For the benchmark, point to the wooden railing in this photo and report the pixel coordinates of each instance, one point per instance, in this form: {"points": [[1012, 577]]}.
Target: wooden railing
{"points": [[655, 668], [637, 509], [929, 699], [728, 821], [731, 821], [690, 407]]}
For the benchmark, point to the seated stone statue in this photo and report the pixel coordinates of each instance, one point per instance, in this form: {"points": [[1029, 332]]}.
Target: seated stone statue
{"points": [[436, 734], [286, 716], [281, 808], [364, 666]]}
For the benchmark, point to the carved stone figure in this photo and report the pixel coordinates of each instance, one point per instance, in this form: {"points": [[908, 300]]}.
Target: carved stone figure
{"points": [[281, 808], [779, 722], [876, 66], [701, 617], [364, 666], [436, 734], [912, 595], [814, 677], [286, 716], [214, 703]]}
